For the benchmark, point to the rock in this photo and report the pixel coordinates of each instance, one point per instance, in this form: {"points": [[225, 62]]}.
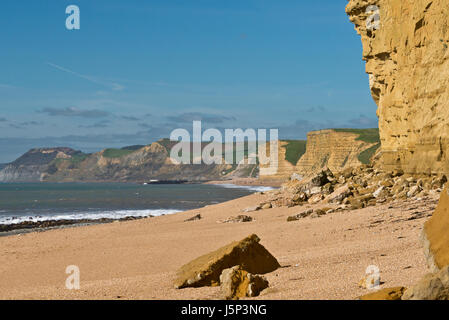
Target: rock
{"points": [[385, 294], [206, 270], [300, 215], [413, 191], [435, 235], [237, 283], [377, 193], [252, 209], [320, 212], [194, 218], [369, 281], [315, 198], [433, 286], [315, 190], [296, 177], [328, 188], [300, 197], [238, 219], [397, 173], [266, 206], [339, 194]]}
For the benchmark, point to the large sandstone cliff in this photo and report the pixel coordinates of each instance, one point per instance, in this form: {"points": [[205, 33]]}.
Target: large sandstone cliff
{"points": [[335, 149], [407, 62]]}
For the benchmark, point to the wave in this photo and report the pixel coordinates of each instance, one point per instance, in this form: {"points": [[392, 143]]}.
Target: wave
{"points": [[250, 188], [92, 215]]}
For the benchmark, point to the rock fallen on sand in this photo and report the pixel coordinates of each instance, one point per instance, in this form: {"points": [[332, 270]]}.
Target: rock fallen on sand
{"points": [[433, 286], [237, 283], [301, 215], [206, 270], [238, 219], [385, 294], [435, 236], [194, 218], [252, 209]]}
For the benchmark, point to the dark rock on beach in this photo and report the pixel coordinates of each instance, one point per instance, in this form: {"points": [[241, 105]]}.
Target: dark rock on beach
{"points": [[41, 225]]}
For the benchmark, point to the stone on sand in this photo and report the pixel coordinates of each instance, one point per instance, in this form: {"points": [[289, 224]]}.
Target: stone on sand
{"points": [[206, 270], [385, 294], [435, 235], [237, 283], [433, 286]]}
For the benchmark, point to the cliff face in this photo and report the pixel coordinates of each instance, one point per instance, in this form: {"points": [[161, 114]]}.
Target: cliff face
{"points": [[285, 168], [132, 164], [337, 149], [407, 62], [144, 164], [30, 166]]}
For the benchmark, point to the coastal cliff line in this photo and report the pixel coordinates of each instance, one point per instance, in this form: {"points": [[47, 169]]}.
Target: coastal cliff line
{"points": [[407, 59]]}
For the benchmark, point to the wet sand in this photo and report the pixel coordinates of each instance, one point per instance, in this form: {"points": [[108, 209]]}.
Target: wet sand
{"points": [[322, 258]]}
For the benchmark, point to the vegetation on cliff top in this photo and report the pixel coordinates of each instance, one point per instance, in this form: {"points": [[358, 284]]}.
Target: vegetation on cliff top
{"points": [[365, 156], [116, 153], [294, 150], [365, 135]]}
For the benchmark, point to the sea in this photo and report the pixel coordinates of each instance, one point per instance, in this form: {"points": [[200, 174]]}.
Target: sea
{"points": [[21, 202]]}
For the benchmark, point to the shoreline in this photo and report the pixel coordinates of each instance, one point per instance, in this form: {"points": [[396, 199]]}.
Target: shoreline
{"points": [[248, 182], [322, 258], [41, 226], [28, 226]]}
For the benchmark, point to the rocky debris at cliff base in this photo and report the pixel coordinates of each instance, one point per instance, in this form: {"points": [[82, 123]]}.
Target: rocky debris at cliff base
{"points": [[206, 270], [385, 294], [313, 213], [355, 188], [237, 283], [433, 286]]}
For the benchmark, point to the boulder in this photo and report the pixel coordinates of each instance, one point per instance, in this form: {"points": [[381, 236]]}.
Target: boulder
{"points": [[339, 194], [194, 218], [435, 235], [413, 191], [252, 209], [266, 206], [433, 286], [238, 219], [206, 270], [385, 294], [300, 215], [378, 192], [237, 283]]}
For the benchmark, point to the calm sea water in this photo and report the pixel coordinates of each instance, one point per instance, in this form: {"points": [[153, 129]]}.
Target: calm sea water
{"points": [[47, 201]]}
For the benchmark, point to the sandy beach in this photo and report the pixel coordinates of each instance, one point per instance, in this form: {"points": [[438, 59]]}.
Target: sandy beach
{"points": [[321, 258]]}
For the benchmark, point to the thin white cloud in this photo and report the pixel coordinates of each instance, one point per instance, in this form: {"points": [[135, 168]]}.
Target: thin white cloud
{"points": [[113, 85], [6, 86]]}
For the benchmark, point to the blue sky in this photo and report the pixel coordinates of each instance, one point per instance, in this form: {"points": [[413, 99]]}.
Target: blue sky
{"points": [[136, 70]]}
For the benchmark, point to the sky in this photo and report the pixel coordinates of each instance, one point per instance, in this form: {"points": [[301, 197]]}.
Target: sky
{"points": [[136, 70]]}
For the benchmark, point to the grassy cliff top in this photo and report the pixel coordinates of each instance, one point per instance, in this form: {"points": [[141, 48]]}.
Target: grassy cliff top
{"points": [[365, 135], [294, 150]]}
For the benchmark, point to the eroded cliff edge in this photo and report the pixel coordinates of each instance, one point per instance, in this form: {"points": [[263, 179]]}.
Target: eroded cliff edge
{"points": [[407, 59]]}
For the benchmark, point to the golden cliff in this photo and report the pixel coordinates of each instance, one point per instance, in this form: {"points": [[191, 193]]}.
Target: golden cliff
{"points": [[335, 149], [406, 58]]}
